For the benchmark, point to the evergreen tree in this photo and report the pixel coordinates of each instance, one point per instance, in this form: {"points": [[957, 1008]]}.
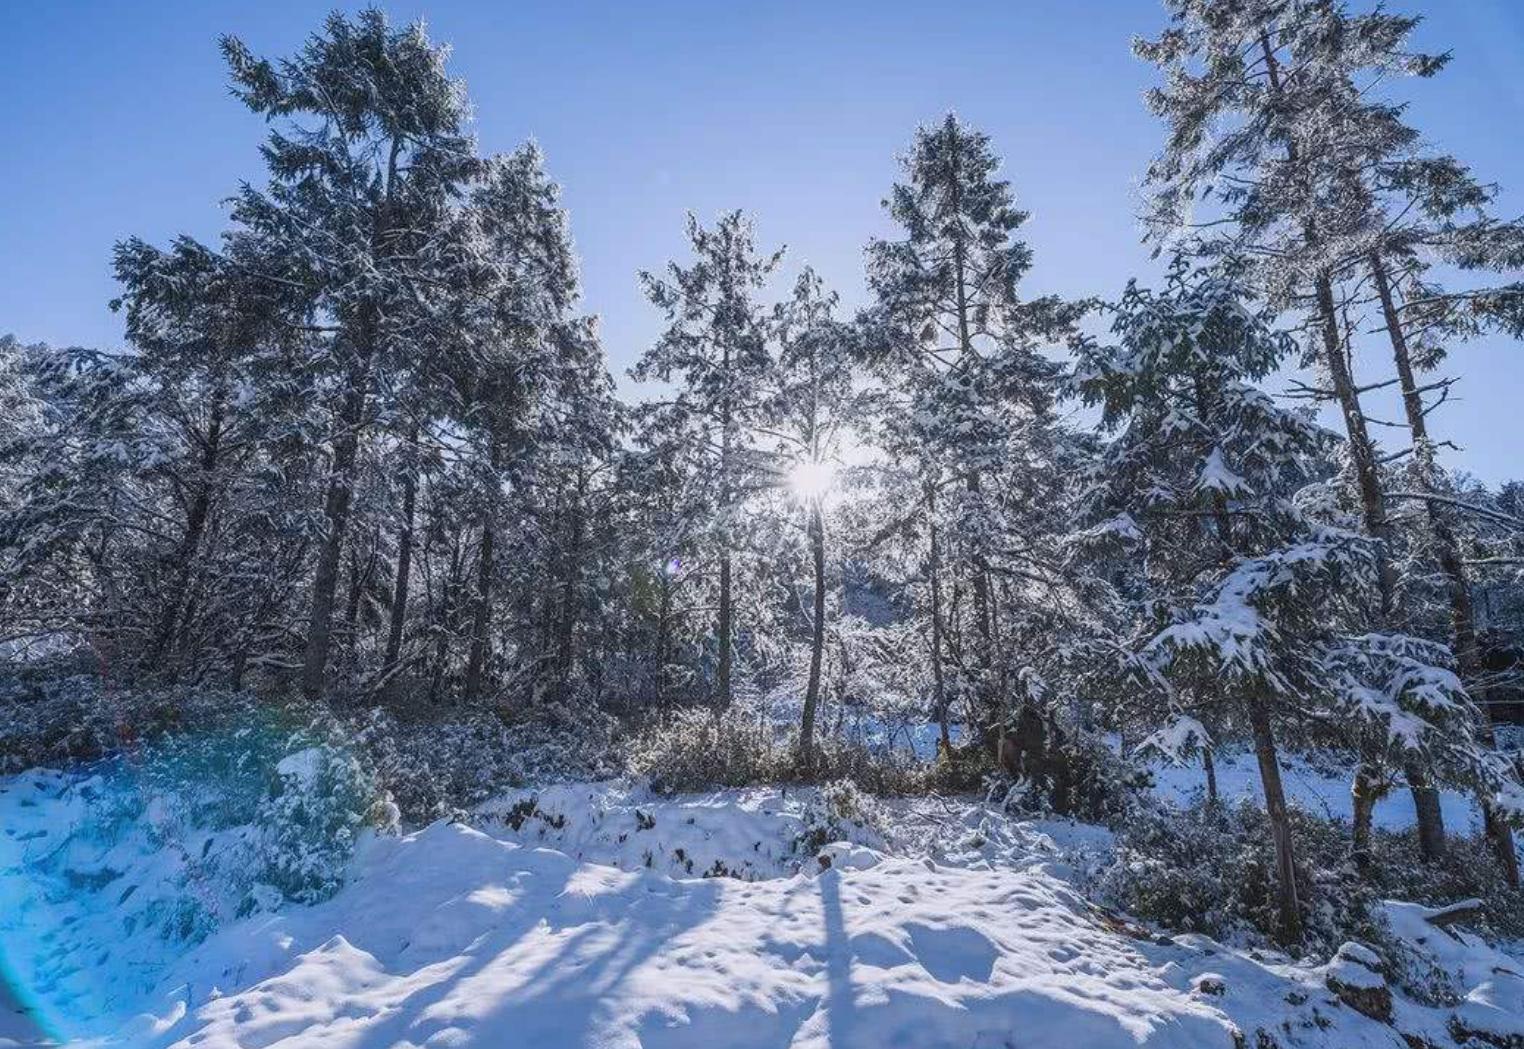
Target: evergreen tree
{"points": [[962, 353], [370, 152], [1318, 179], [811, 411], [1248, 610], [716, 345]]}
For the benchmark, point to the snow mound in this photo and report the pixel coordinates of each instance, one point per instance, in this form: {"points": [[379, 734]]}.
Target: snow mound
{"points": [[454, 938], [927, 924]]}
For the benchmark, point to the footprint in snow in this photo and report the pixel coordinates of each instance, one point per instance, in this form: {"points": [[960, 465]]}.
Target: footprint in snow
{"points": [[952, 954]]}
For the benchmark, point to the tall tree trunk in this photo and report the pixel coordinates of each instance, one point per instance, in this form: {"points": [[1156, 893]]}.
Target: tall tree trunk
{"points": [[663, 634], [1362, 450], [444, 624], [195, 525], [404, 550], [726, 625], [567, 626], [1209, 766], [817, 638], [336, 520], [990, 701], [726, 634], [481, 612], [1458, 586], [1431, 820], [938, 678], [356, 587], [1289, 910], [1373, 504]]}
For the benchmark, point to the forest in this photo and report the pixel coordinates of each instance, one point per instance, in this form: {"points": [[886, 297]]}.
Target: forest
{"points": [[355, 571]]}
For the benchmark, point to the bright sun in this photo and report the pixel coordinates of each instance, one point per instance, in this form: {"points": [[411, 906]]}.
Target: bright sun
{"points": [[810, 480]]}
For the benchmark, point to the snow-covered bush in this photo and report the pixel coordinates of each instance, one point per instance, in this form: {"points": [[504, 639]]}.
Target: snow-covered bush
{"points": [[433, 767], [165, 842], [1079, 777], [839, 811], [1211, 869], [308, 822], [52, 713], [698, 749]]}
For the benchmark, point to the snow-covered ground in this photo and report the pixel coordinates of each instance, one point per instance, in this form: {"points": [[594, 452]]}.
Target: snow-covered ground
{"points": [[1319, 788], [580, 916]]}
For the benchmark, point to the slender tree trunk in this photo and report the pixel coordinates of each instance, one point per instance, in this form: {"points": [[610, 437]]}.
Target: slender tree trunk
{"points": [[195, 526], [989, 699], [663, 633], [1368, 787], [567, 628], [444, 624], [1362, 450], [1458, 586], [1431, 820], [1373, 503], [726, 625], [336, 517], [1209, 766], [345, 449], [356, 586], [481, 612], [1361, 447], [817, 638], [404, 550], [1287, 905], [938, 679]]}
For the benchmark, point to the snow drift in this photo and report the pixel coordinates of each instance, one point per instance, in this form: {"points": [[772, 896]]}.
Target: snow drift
{"points": [[569, 917]]}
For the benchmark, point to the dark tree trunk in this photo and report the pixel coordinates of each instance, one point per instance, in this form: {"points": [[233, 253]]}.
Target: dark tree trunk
{"points": [[481, 613], [570, 605], [404, 551], [937, 628], [481, 608], [817, 639], [1458, 586], [1373, 504], [1362, 450], [444, 625], [1368, 787], [663, 642], [1290, 915], [1431, 821], [185, 556], [336, 517], [726, 625], [989, 701], [1209, 766]]}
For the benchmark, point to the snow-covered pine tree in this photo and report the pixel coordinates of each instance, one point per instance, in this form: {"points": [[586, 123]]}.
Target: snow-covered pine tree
{"points": [[370, 152], [811, 411], [661, 515], [960, 351], [716, 347], [527, 370], [1277, 147], [212, 338], [72, 462], [1248, 609]]}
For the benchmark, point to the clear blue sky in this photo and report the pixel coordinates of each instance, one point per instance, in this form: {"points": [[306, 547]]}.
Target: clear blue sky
{"points": [[117, 121]]}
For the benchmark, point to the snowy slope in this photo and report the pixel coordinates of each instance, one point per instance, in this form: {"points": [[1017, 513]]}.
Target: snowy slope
{"points": [[946, 925]]}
